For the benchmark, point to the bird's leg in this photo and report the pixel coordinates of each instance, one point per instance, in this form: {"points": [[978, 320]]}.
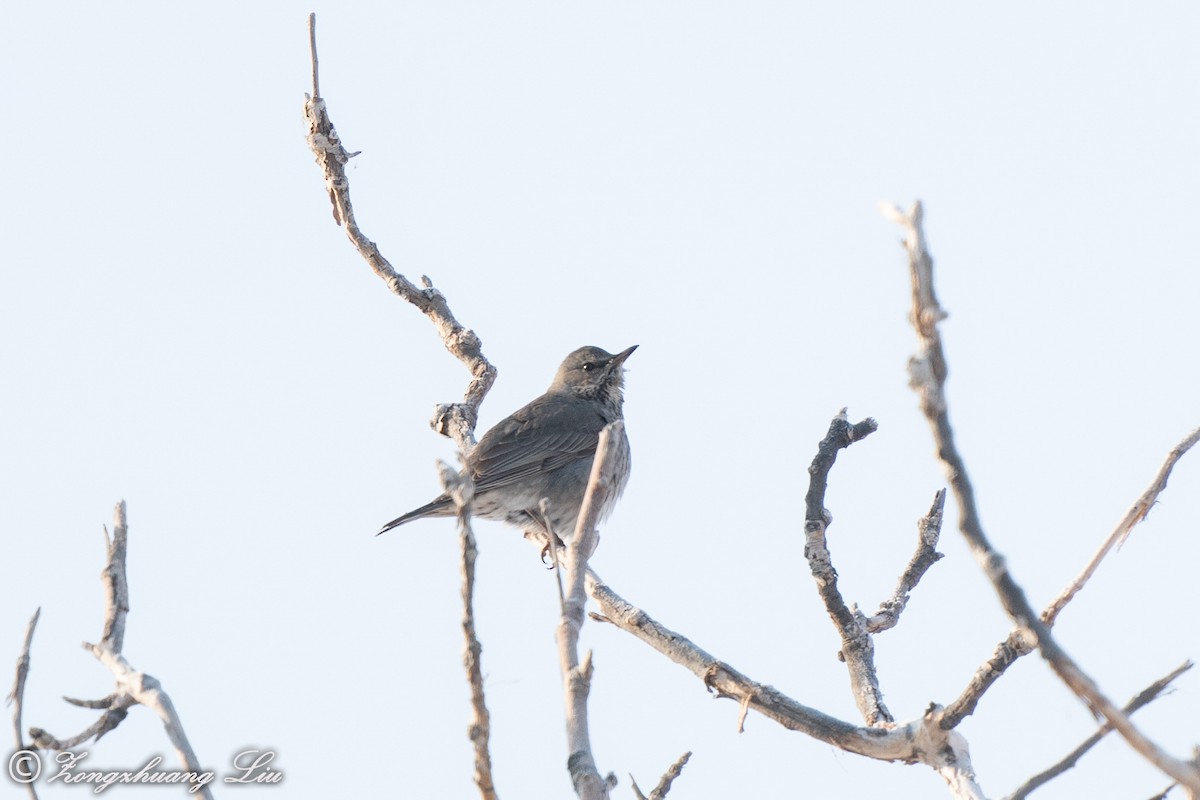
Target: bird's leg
{"points": [[543, 532], [553, 545]]}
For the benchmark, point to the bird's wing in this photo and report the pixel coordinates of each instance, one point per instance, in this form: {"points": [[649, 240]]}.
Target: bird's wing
{"points": [[540, 437]]}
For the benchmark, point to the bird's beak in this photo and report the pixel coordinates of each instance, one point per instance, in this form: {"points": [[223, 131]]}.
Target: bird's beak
{"points": [[620, 357]]}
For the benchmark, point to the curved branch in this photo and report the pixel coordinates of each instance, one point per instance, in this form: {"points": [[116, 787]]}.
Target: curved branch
{"points": [[858, 649], [454, 420]]}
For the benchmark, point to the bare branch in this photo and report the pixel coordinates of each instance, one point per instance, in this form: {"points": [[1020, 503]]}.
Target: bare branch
{"points": [[858, 649], [114, 713], [929, 530], [725, 681], [455, 420], [116, 607], [132, 687], [1143, 698], [103, 702], [17, 695], [920, 741], [312, 48], [577, 676], [664, 783], [1163, 794], [116, 585], [461, 491], [146, 690], [18, 765], [1137, 512], [928, 372], [1020, 642]]}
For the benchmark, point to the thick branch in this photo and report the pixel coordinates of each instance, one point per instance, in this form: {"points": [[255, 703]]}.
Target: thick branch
{"points": [[725, 681], [577, 676], [858, 649], [1143, 698], [919, 741], [455, 420], [147, 691], [928, 376]]}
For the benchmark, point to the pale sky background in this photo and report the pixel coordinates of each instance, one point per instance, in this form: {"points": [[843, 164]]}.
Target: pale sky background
{"points": [[184, 327]]}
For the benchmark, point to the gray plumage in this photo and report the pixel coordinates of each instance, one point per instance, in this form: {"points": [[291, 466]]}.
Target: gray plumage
{"points": [[545, 449]]}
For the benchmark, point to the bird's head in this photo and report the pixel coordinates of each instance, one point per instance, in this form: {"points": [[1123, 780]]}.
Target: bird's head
{"points": [[593, 373]]}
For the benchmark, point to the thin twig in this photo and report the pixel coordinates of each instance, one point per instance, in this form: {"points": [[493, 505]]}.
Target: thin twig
{"points": [[454, 420], [1163, 794], [461, 490], [20, 766], [1142, 698], [585, 777], [312, 47], [928, 377], [114, 713], [664, 783], [858, 649], [1136, 513], [929, 530], [17, 695], [103, 702]]}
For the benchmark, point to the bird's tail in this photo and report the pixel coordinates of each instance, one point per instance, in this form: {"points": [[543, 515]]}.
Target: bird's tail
{"points": [[441, 507]]}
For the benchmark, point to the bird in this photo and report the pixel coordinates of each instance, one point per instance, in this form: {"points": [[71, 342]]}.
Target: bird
{"points": [[544, 450]]}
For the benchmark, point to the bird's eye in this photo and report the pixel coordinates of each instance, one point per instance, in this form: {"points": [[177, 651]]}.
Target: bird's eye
{"points": [[588, 367]]}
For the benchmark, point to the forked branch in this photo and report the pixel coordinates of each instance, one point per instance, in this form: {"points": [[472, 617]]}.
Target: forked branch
{"points": [[928, 373], [133, 687]]}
